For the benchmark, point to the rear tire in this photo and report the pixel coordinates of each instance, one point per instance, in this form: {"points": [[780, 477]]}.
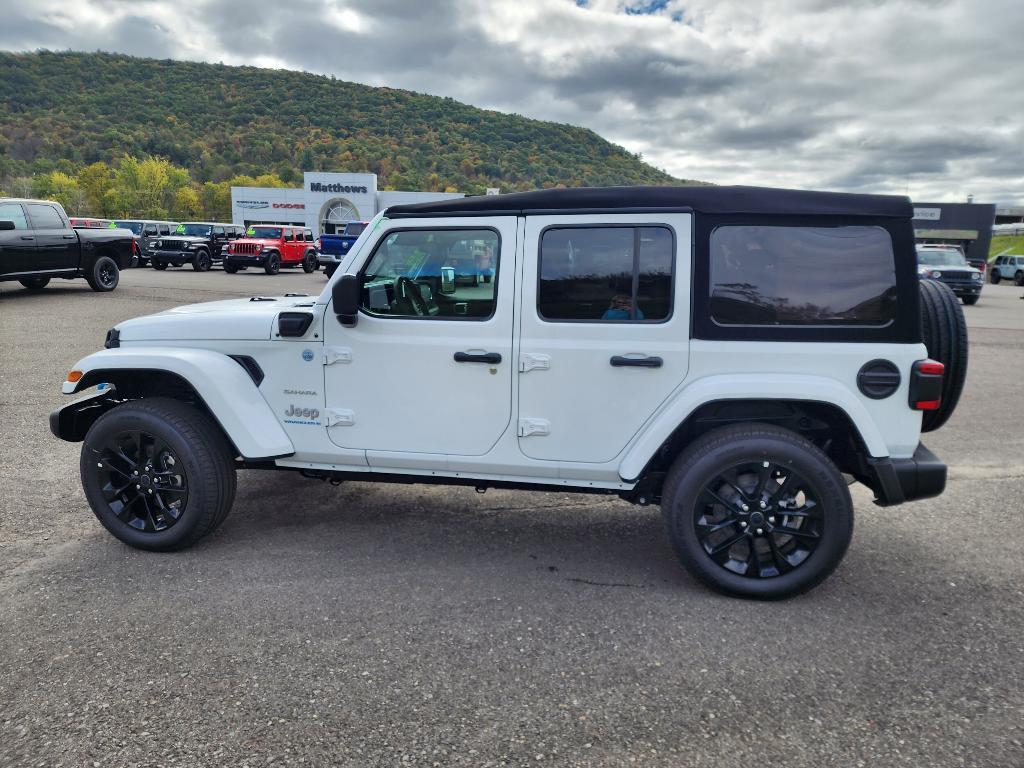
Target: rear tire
{"points": [[104, 275], [185, 481], [309, 264], [330, 269], [1018, 278], [750, 530], [34, 283], [273, 265], [945, 335]]}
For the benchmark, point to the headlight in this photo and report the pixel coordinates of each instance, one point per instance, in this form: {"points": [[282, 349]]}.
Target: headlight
{"points": [[189, 246], [158, 243], [936, 274], [976, 276]]}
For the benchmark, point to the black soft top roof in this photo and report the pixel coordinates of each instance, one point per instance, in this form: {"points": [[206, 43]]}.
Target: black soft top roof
{"points": [[703, 199]]}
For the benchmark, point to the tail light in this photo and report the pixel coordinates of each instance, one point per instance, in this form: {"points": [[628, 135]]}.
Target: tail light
{"points": [[135, 247], [926, 385], [317, 244]]}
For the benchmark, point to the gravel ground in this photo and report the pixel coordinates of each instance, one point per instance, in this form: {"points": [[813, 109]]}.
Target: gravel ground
{"points": [[385, 625]]}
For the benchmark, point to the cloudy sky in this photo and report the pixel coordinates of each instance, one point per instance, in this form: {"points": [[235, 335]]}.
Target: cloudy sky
{"points": [[919, 97]]}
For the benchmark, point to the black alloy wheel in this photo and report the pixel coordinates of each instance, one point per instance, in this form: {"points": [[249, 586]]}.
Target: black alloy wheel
{"points": [[35, 283], [757, 511], [104, 275], [273, 263], [201, 262], [309, 264], [160, 265], [230, 268], [758, 519], [142, 481]]}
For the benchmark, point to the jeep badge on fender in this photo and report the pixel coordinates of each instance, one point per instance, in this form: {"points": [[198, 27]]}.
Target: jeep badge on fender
{"points": [[734, 354]]}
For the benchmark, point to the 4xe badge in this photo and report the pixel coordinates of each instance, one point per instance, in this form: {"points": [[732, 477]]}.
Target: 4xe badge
{"points": [[307, 355]]}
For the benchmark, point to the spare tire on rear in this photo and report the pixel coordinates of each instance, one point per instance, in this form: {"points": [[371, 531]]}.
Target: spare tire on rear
{"points": [[945, 335]]}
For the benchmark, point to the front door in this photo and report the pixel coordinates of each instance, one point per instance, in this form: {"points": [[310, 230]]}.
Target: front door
{"points": [[605, 327], [428, 368], [18, 245]]}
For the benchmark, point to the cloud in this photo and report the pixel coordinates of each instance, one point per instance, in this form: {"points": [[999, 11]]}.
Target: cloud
{"points": [[919, 96]]}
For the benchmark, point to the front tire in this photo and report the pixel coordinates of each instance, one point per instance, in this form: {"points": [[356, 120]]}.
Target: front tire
{"points": [[757, 511], [971, 300], [201, 262], [273, 265], [230, 268], [104, 275], [995, 277], [157, 473], [160, 265], [35, 283]]}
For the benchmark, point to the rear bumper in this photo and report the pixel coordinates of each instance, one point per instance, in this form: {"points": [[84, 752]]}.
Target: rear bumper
{"points": [[898, 480], [329, 258]]}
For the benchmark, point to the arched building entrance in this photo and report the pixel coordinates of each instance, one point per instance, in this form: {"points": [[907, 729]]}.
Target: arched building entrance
{"points": [[335, 213]]}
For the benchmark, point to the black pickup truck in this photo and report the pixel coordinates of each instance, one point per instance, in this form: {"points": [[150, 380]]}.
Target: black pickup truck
{"points": [[37, 243]]}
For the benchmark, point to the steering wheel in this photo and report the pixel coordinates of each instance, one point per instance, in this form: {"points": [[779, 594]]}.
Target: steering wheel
{"points": [[408, 289]]}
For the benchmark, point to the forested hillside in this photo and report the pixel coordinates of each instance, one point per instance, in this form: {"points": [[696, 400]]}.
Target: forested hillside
{"points": [[64, 111]]}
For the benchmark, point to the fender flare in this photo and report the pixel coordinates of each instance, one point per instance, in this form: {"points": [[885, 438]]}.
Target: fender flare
{"points": [[224, 386], [813, 389]]}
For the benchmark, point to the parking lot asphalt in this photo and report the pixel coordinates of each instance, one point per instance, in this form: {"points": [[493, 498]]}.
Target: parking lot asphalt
{"points": [[403, 625]]}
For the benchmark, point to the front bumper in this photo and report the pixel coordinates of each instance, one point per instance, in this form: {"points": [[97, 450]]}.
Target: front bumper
{"points": [[245, 260], [898, 480], [174, 258]]}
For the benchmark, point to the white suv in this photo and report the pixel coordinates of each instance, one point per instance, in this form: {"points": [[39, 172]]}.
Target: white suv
{"points": [[735, 354]]}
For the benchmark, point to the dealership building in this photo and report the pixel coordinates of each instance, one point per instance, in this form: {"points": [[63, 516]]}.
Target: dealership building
{"points": [[324, 202]]}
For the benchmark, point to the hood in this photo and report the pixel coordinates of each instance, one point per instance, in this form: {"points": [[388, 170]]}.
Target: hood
{"points": [[252, 319]]}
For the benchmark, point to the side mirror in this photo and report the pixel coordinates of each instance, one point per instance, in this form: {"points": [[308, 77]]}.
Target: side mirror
{"points": [[6, 225], [346, 300]]}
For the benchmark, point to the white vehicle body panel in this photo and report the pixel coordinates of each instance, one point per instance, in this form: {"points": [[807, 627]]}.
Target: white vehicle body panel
{"points": [[223, 384]]}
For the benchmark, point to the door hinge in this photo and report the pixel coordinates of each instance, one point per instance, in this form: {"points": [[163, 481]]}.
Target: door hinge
{"points": [[533, 361], [334, 355], [340, 417], [528, 427]]}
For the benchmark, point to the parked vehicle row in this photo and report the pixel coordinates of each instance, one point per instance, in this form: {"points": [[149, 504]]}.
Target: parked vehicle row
{"points": [[39, 243]]}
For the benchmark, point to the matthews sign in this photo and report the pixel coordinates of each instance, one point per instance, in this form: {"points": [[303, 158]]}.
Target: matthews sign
{"points": [[316, 186]]}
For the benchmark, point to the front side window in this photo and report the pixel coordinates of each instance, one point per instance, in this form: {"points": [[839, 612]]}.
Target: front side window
{"points": [[44, 216], [13, 212], [802, 276], [606, 274], [194, 230], [433, 273]]}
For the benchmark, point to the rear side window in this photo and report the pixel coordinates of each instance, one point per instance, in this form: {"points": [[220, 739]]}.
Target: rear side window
{"points": [[308, 234], [606, 274], [802, 276], [44, 216], [13, 212], [165, 229]]}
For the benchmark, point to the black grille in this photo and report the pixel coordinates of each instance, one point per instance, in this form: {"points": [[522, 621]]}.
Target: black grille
{"points": [[171, 245]]}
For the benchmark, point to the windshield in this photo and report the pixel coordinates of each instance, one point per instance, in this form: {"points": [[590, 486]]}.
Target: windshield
{"points": [[193, 230], [943, 258], [265, 233], [134, 226], [354, 230]]}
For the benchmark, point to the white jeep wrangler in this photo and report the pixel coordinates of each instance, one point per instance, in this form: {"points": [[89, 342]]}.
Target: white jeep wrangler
{"points": [[738, 355]]}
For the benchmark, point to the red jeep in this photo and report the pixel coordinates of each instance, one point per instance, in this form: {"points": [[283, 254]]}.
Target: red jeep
{"points": [[272, 246]]}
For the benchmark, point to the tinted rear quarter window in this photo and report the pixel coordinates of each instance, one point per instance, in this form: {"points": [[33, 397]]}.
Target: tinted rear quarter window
{"points": [[802, 276]]}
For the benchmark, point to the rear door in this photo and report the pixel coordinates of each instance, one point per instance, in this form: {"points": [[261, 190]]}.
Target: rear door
{"points": [[18, 245], [56, 242], [605, 326]]}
